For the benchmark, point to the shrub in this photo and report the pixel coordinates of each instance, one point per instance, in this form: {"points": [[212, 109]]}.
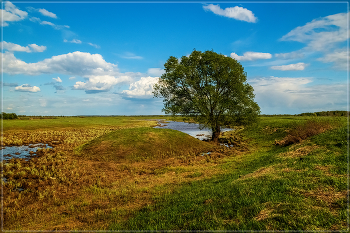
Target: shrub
{"points": [[303, 131], [8, 115]]}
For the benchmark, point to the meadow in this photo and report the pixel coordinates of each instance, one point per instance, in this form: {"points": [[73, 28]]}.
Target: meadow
{"points": [[120, 173]]}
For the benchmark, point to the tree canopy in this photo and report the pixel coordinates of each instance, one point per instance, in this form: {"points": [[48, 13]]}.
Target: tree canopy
{"points": [[208, 87]]}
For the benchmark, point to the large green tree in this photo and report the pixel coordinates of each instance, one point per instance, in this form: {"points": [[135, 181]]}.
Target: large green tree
{"points": [[208, 87]]}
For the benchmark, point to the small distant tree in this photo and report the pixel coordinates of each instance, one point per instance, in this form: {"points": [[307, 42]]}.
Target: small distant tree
{"points": [[8, 116], [209, 88]]}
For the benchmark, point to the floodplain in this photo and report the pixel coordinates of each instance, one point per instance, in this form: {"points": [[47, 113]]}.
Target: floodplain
{"points": [[121, 173]]}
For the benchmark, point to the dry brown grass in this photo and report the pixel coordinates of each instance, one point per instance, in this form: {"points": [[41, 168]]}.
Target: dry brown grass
{"points": [[303, 131], [300, 152], [267, 211], [260, 172], [326, 194], [65, 192]]}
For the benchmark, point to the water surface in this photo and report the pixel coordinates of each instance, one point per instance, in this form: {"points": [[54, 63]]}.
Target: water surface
{"points": [[191, 129], [21, 152]]}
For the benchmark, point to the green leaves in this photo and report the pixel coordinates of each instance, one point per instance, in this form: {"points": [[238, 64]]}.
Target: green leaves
{"points": [[208, 87]]}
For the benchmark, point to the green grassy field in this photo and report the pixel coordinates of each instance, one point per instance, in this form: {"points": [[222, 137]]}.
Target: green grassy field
{"points": [[299, 187], [118, 173]]}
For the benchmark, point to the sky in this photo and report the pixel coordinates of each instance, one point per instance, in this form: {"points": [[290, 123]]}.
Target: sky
{"points": [[103, 58]]}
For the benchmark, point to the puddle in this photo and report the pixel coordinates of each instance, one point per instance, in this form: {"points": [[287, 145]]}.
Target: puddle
{"points": [[208, 153], [21, 152], [189, 128], [226, 144]]}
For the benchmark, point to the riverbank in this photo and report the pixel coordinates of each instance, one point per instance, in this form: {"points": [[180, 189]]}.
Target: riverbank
{"points": [[256, 184]]}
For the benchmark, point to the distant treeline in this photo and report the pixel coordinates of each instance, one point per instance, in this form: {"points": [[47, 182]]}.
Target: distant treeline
{"points": [[25, 117], [9, 115], [324, 113]]}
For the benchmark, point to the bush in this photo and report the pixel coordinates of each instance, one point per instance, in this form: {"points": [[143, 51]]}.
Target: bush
{"points": [[8, 116]]}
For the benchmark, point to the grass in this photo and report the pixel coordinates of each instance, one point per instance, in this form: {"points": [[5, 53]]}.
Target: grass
{"points": [[300, 187], [141, 144], [60, 123], [118, 173]]}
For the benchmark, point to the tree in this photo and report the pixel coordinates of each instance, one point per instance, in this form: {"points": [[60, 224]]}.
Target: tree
{"points": [[209, 88]]}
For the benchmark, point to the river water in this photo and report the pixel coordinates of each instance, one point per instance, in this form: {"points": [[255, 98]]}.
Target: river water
{"points": [[191, 129]]}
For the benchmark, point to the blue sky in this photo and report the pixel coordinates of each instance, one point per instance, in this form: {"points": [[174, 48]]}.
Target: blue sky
{"points": [[103, 58]]}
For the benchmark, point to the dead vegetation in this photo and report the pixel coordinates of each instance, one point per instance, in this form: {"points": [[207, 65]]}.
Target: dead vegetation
{"points": [[303, 131], [58, 190], [299, 152]]}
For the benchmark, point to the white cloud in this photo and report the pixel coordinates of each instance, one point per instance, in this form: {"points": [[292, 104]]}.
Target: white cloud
{"points": [[14, 47], [27, 88], [17, 48], [37, 48], [35, 19], [129, 55], [47, 23], [236, 12], [324, 35], [57, 79], [142, 88], [321, 34], [76, 63], [47, 13], [75, 41], [103, 83], [94, 45], [71, 78], [155, 72], [99, 74], [340, 58], [56, 27], [11, 14], [283, 94], [251, 56], [297, 66], [291, 55]]}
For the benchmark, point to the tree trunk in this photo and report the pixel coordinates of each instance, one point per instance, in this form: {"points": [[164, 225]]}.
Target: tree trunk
{"points": [[215, 133]]}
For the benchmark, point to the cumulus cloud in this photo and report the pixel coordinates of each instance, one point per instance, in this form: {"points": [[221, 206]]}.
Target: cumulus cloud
{"points": [[14, 47], [283, 94], [27, 88], [47, 13], [56, 83], [141, 89], [17, 48], [96, 84], [37, 48], [297, 66], [340, 59], [99, 74], [236, 12], [10, 14], [155, 72], [251, 56], [76, 63]]}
